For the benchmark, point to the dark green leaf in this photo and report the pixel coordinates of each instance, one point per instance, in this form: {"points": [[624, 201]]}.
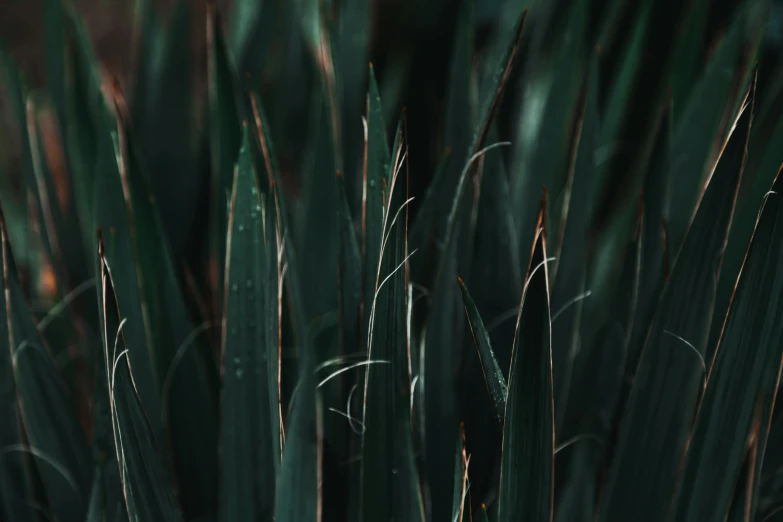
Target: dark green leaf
{"points": [[250, 428], [743, 376], [225, 138], [171, 371], [443, 330], [245, 23], [145, 485], [655, 249], [671, 368], [544, 133], [688, 57], [705, 119], [83, 112], [56, 441], [96, 508], [569, 273], [496, 383], [14, 475], [350, 276], [162, 115], [460, 503], [765, 155], [374, 184], [390, 485], [299, 486], [526, 472], [187, 390], [298, 496], [353, 46]]}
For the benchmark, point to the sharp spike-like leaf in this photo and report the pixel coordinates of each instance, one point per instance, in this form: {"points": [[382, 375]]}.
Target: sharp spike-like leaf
{"points": [[496, 382], [526, 472], [163, 117], [550, 94], [743, 377], [569, 286], [671, 371], [184, 378], [298, 495], [56, 442], [390, 487], [145, 485], [250, 426], [14, 472], [225, 138], [299, 486], [709, 107], [353, 45], [441, 354]]}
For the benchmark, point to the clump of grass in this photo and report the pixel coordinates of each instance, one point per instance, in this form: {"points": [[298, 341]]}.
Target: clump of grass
{"points": [[301, 308]]}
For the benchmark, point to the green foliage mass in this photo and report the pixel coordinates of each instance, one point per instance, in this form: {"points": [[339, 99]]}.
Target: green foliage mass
{"points": [[332, 288]]}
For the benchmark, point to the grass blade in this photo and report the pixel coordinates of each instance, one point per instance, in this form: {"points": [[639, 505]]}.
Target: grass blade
{"points": [[440, 359], [14, 473], [83, 110], [353, 49], [670, 374], [298, 496], [184, 378], [496, 382], [569, 279], [461, 505], [708, 109], [390, 486], [163, 117], [743, 377], [299, 486], [56, 440], [526, 469], [376, 169], [250, 426], [145, 485], [551, 95], [224, 141]]}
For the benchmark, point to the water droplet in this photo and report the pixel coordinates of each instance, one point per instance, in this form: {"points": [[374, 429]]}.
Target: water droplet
{"points": [[249, 283], [394, 471], [234, 287], [253, 190], [372, 183], [237, 360], [241, 227], [258, 207], [240, 371]]}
